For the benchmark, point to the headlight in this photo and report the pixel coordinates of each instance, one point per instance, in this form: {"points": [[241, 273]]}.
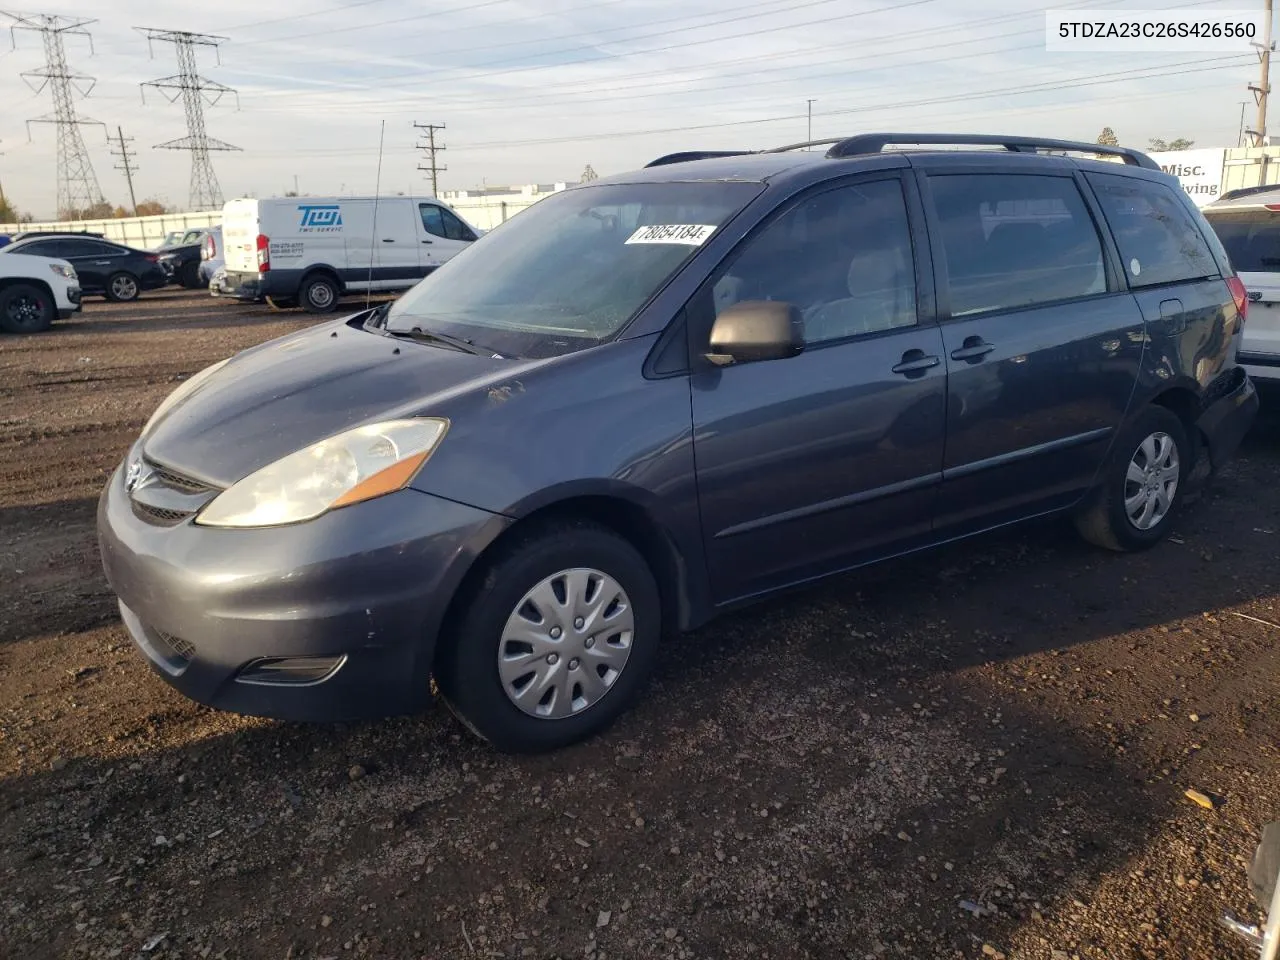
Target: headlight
{"points": [[67, 273], [357, 465], [182, 390]]}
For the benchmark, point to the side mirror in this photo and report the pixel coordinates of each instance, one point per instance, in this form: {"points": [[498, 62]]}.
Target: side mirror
{"points": [[754, 330]]}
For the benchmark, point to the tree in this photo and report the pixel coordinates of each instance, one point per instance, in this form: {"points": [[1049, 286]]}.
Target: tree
{"points": [[1108, 137], [8, 212], [1158, 146], [151, 208]]}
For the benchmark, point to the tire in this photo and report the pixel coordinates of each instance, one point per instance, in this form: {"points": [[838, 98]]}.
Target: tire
{"points": [[580, 557], [318, 294], [189, 277], [1155, 438], [281, 303], [25, 308], [122, 288]]}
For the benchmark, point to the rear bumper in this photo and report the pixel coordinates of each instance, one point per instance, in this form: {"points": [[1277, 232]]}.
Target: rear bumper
{"points": [[1227, 419], [365, 587], [259, 286], [1260, 366]]}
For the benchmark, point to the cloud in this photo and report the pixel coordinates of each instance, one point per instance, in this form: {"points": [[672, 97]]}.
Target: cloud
{"points": [[590, 78]]}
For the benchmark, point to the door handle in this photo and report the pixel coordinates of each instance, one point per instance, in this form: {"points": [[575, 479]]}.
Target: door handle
{"points": [[426, 241], [974, 348], [916, 361], [387, 240], [102, 263]]}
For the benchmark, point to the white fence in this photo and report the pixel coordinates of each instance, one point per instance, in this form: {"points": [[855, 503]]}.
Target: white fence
{"points": [[486, 212], [144, 232]]}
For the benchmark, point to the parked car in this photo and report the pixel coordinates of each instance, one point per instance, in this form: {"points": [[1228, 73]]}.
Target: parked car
{"points": [[181, 259], [35, 291], [662, 395], [117, 272], [1248, 224], [310, 251], [27, 234], [211, 259]]}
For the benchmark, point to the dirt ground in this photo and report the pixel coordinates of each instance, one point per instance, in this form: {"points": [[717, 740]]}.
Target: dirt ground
{"points": [[980, 751]]}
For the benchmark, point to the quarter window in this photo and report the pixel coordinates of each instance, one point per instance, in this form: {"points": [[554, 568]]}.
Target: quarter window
{"points": [[1015, 241], [454, 228], [1158, 239], [843, 257]]}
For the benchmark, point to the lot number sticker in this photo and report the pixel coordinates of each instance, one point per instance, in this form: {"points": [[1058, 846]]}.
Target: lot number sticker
{"points": [[689, 234]]}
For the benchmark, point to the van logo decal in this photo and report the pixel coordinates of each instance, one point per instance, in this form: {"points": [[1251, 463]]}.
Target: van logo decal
{"points": [[319, 217]]}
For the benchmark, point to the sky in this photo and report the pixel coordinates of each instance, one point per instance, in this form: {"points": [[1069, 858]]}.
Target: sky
{"points": [[532, 91]]}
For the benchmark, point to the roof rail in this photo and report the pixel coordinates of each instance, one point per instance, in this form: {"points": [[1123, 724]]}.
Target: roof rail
{"points": [[688, 155], [876, 142]]}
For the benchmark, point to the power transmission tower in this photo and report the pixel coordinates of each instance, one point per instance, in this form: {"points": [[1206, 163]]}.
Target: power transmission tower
{"points": [[78, 188], [432, 148], [120, 148], [1262, 88], [195, 91]]}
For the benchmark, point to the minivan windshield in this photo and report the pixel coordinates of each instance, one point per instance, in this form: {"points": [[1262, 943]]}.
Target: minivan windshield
{"points": [[1251, 238], [572, 270]]}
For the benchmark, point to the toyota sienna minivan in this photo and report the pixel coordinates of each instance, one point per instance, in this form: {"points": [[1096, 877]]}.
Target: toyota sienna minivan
{"points": [[661, 395]]}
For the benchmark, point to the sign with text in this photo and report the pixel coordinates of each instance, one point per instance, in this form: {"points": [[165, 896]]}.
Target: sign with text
{"points": [[1199, 171]]}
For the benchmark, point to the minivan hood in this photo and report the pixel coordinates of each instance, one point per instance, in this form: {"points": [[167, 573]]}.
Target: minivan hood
{"points": [[289, 393]]}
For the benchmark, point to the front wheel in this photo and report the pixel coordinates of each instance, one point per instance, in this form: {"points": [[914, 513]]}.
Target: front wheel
{"points": [[25, 308], [555, 641], [122, 287], [1142, 486]]}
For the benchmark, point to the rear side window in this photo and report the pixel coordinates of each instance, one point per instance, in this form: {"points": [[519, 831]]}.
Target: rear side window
{"points": [[1251, 239], [1015, 241], [1159, 240]]}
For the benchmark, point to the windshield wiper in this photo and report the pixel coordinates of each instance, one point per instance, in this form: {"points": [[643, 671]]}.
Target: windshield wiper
{"points": [[457, 343]]}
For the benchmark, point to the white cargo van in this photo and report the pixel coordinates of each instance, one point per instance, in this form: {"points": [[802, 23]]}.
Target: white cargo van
{"points": [[308, 251]]}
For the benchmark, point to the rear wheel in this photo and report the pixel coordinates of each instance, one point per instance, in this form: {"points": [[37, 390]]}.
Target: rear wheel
{"points": [[556, 640], [1142, 487], [122, 287], [319, 294], [25, 308]]}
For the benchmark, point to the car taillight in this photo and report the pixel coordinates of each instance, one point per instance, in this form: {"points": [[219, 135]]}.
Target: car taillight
{"points": [[210, 247], [152, 258], [1240, 295], [264, 254]]}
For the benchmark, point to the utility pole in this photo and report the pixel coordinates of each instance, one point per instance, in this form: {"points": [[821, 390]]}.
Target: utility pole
{"points": [[195, 92], [78, 188], [120, 149], [1263, 87], [431, 148], [810, 136], [1240, 135]]}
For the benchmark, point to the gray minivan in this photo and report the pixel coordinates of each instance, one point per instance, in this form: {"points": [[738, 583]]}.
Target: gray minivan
{"points": [[660, 395]]}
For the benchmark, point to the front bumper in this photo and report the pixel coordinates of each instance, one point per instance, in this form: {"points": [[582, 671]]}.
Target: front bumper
{"points": [[370, 583], [75, 300], [1228, 418]]}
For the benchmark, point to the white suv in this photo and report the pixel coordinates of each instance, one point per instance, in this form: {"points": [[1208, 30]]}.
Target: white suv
{"points": [[34, 291], [1247, 222]]}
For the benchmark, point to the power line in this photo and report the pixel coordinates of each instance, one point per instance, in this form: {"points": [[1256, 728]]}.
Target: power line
{"points": [[294, 17], [195, 91], [121, 149], [78, 189], [431, 148], [1076, 82], [377, 23]]}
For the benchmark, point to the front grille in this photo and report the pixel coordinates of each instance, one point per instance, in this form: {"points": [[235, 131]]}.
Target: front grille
{"points": [[73, 294], [157, 514], [179, 649], [176, 480]]}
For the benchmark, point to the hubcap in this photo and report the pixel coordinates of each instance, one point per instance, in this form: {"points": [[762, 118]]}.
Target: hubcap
{"points": [[124, 287], [321, 295], [566, 643], [1151, 481], [25, 310]]}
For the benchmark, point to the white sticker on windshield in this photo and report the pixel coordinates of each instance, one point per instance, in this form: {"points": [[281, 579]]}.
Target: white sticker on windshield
{"points": [[690, 234]]}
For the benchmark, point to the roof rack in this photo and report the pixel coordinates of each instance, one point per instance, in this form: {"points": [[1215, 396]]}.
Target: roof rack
{"points": [[876, 142], [869, 143], [688, 155]]}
